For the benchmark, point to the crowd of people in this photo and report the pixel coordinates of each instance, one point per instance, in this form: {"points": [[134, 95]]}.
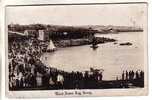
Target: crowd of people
{"points": [[26, 70], [24, 62], [131, 75], [134, 77]]}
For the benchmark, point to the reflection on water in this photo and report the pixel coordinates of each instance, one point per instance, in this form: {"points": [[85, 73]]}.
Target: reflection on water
{"points": [[111, 57]]}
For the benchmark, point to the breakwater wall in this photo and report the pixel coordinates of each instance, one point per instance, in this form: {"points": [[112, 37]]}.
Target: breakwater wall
{"points": [[82, 41]]}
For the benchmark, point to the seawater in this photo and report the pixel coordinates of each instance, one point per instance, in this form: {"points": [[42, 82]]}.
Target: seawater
{"points": [[110, 57]]}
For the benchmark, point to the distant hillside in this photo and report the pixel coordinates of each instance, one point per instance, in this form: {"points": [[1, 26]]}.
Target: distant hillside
{"points": [[87, 28], [111, 28]]}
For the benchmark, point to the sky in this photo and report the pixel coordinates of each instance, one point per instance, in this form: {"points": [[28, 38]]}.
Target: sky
{"points": [[106, 14]]}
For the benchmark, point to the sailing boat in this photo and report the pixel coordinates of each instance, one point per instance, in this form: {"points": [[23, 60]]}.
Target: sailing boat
{"points": [[51, 47]]}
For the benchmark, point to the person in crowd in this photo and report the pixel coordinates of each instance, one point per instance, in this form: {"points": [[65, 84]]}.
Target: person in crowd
{"points": [[126, 75], [137, 75], [123, 75]]}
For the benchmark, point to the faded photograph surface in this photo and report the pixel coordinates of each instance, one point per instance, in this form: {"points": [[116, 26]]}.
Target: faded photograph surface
{"points": [[56, 47]]}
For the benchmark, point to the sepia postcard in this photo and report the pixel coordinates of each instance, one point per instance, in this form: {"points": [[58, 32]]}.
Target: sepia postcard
{"points": [[74, 50]]}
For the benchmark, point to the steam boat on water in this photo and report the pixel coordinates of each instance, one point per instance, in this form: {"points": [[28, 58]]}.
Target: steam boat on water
{"points": [[94, 43]]}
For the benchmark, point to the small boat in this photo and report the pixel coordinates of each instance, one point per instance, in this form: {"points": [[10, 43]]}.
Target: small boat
{"points": [[51, 47], [127, 43], [94, 46]]}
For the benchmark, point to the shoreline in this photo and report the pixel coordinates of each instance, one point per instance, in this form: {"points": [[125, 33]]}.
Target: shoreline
{"points": [[80, 42]]}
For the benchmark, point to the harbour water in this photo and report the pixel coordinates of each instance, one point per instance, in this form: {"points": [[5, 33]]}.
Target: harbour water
{"points": [[111, 57]]}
